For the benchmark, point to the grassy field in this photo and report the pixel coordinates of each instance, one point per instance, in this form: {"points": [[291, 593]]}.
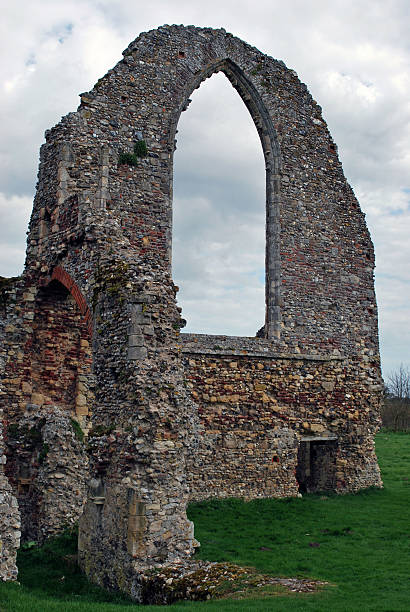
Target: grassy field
{"points": [[358, 543]]}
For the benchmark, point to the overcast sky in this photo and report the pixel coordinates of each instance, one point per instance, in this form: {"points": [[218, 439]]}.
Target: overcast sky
{"points": [[354, 57]]}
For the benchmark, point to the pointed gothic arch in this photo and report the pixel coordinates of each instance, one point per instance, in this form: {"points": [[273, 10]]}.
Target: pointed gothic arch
{"points": [[271, 151]]}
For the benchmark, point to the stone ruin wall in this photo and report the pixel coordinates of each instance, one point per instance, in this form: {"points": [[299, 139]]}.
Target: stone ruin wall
{"points": [[257, 407], [9, 512], [9, 520], [92, 327], [46, 465]]}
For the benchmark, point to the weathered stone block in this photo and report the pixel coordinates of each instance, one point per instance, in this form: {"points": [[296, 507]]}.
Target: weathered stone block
{"points": [[137, 352], [135, 340]]}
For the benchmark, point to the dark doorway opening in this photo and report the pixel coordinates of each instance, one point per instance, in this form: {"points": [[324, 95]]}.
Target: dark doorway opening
{"points": [[316, 469]]}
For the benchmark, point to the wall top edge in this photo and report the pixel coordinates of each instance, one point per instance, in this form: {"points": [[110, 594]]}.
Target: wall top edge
{"points": [[238, 346]]}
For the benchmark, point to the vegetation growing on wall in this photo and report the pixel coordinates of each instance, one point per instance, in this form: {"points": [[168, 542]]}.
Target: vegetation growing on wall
{"points": [[111, 278], [131, 159], [78, 432]]}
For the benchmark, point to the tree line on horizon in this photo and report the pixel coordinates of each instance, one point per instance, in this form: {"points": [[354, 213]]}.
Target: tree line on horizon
{"points": [[395, 411]]}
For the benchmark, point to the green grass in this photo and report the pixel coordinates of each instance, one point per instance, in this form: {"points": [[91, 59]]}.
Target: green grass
{"points": [[360, 545]]}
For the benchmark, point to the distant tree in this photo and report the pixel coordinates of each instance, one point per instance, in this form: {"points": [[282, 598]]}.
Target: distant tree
{"points": [[396, 400], [398, 383]]}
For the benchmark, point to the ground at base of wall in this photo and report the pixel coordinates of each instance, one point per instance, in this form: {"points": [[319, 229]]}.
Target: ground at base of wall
{"points": [[358, 542], [203, 580], [52, 569]]}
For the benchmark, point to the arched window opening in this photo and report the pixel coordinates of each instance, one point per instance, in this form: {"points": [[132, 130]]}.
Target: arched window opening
{"points": [[218, 257]]}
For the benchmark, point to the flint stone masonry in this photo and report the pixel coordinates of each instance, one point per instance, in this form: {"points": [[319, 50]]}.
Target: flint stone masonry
{"points": [[10, 524], [257, 408], [48, 468], [91, 328]]}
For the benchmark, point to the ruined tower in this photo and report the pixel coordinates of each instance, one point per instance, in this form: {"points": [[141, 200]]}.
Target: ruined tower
{"points": [[91, 330]]}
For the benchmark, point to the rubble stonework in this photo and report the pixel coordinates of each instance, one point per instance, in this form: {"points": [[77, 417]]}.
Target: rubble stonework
{"points": [[9, 523], [92, 326], [9, 513], [48, 469], [261, 411]]}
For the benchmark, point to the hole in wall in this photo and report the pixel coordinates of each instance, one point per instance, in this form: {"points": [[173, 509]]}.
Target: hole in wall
{"points": [[316, 468], [218, 258]]}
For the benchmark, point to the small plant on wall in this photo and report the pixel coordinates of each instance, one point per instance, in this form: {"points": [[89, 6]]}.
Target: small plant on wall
{"points": [[131, 159], [140, 148], [127, 158]]}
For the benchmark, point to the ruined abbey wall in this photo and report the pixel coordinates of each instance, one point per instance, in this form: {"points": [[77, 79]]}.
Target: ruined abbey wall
{"points": [[9, 512], [92, 330], [9, 520], [259, 409]]}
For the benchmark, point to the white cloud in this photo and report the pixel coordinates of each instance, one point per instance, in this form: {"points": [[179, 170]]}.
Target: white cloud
{"points": [[14, 217], [219, 214]]}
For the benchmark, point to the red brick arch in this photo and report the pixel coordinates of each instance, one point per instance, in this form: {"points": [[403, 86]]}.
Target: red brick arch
{"points": [[65, 279]]}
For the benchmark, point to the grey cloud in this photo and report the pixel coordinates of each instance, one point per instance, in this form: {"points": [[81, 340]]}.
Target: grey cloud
{"points": [[14, 216], [219, 214]]}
